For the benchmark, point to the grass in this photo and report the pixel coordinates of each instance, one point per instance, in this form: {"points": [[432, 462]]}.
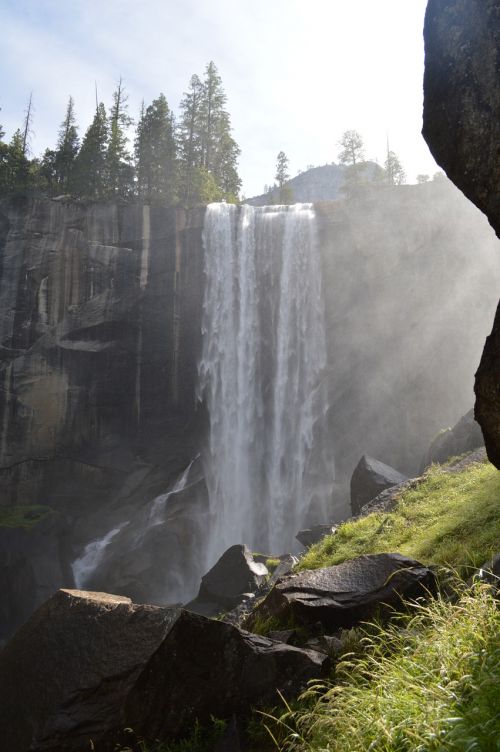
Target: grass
{"points": [[427, 682], [450, 519], [202, 738], [23, 516]]}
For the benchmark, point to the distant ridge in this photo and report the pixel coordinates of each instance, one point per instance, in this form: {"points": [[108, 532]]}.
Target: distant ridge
{"points": [[316, 184]]}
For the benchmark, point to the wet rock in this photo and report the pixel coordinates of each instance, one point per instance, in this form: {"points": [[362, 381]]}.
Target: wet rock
{"points": [[462, 128], [233, 576], [490, 571], [369, 478], [344, 595], [465, 436], [313, 535]]}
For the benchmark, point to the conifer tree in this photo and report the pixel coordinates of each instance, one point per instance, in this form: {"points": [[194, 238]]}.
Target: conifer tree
{"points": [[66, 149], [119, 169], [4, 150], [155, 154], [90, 167], [393, 169], [17, 165], [189, 136]]}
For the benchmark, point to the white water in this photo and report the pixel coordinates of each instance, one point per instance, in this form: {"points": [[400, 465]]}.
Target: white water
{"points": [[261, 375], [159, 505], [93, 554]]}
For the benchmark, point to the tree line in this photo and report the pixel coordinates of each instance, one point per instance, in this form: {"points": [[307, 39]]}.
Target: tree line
{"points": [[189, 161]]}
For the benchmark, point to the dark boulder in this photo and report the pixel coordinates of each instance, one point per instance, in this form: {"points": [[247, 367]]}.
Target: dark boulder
{"points": [[89, 665], [310, 536], [77, 643], [208, 668], [369, 478], [462, 128], [344, 595], [465, 436], [233, 576]]}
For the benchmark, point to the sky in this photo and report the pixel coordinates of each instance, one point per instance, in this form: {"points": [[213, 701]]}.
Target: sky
{"points": [[296, 74]]}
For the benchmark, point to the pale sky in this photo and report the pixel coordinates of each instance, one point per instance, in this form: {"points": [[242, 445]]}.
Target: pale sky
{"points": [[296, 74]]}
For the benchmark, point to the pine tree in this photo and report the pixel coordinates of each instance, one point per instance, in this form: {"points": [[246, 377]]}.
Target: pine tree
{"points": [[394, 171], [189, 136], [4, 151], [17, 164], [119, 169], [285, 193], [351, 155], [66, 149], [208, 152], [90, 167], [155, 154]]}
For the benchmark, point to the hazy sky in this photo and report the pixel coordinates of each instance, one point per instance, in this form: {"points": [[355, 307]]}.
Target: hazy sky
{"points": [[296, 74]]}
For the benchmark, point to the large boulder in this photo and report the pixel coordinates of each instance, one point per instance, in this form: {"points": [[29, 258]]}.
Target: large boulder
{"points": [[309, 536], [462, 128], [344, 595], [76, 642], [235, 574], [463, 437], [210, 668], [369, 478], [88, 665]]}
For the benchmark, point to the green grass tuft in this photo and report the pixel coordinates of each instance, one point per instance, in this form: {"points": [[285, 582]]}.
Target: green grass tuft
{"points": [[23, 516], [427, 682], [450, 519]]}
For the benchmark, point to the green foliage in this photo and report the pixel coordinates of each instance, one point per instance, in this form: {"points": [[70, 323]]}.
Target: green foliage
{"points": [[23, 516], [394, 170], [271, 564], [155, 154], [429, 681], [201, 739], [67, 148], [118, 167], [449, 519], [90, 167]]}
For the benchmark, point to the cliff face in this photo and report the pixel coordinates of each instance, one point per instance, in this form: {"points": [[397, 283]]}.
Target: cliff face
{"points": [[462, 128], [99, 329], [100, 316]]}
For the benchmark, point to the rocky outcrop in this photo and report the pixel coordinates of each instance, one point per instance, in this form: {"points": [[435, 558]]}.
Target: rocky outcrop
{"points": [[451, 442], [344, 595], [234, 575], [88, 665], [462, 128], [371, 477]]}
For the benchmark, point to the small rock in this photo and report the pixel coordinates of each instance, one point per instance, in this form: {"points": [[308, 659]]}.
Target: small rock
{"points": [[369, 478], [310, 536]]}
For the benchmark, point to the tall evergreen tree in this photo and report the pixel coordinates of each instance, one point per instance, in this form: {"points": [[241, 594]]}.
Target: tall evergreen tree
{"points": [[90, 167], [4, 151], [394, 171], [17, 164], [189, 136], [119, 168], [207, 147], [155, 153], [66, 149]]}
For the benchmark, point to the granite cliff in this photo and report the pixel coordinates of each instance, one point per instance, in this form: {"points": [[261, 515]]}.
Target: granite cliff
{"points": [[462, 128]]}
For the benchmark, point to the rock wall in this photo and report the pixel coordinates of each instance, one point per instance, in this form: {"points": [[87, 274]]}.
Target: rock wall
{"points": [[462, 128]]}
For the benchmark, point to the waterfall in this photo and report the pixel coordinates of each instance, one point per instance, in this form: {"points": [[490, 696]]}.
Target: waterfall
{"points": [[92, 556], [261, 374]]}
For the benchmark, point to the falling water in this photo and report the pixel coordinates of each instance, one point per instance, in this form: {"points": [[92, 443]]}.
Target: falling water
{"points": [[93, 554], [261, 374], [157, 507]]}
